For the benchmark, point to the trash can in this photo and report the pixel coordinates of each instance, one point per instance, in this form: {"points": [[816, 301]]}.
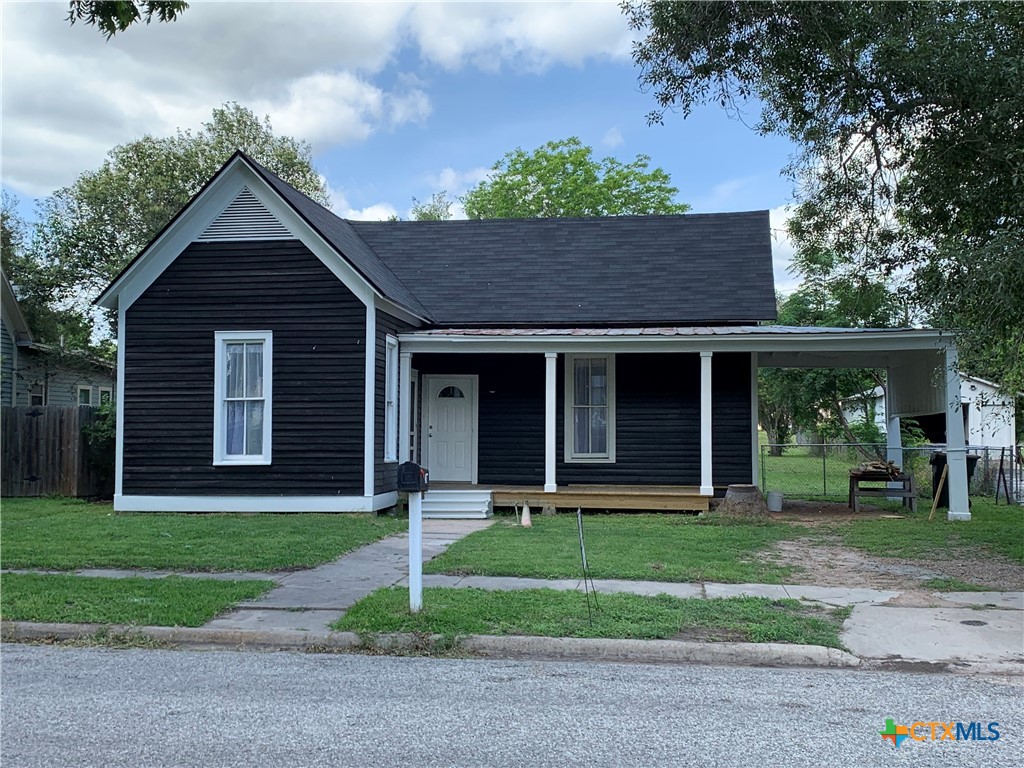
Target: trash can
{"points": [[938, 462]]}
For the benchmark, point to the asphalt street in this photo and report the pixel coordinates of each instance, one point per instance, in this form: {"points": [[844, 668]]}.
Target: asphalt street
{"points": [[98, 707]]}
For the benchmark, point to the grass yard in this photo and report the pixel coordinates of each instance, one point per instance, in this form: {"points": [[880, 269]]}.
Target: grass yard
{"points": [[992, 528], [639, 547], [65, 534], [174, 601], [550, 613]]}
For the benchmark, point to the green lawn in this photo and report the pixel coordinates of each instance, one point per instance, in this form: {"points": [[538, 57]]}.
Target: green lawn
{"points": [[175, 601], [640, 547], [65, 534], [992, 528], [550, 613]]}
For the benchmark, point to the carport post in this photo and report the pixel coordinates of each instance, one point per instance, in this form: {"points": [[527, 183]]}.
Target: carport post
{"points": [[415, 551], [956, 450], [893, 438]]}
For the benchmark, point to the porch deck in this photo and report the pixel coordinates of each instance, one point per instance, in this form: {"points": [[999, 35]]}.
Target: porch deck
{"points": [[678, 498]]}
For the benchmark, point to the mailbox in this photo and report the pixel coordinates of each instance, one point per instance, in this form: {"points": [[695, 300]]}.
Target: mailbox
{"points": [[412, 477]]}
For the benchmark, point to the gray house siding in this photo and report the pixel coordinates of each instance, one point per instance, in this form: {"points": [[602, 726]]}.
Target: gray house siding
{"points": [[7, 353], [319, 330], [657, 419]]}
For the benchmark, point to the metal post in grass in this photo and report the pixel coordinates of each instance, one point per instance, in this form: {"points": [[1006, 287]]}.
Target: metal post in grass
{"points": [[824, 470], [764, 469]]}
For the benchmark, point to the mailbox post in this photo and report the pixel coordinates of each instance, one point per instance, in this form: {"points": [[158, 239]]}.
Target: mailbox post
{"points": [[414, 479]]}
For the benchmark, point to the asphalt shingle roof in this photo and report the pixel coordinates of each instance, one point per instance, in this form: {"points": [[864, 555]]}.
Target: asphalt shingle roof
{"points": [[695, 269]]}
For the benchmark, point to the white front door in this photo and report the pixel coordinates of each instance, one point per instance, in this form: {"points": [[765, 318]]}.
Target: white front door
{"points": [[451, 428]]}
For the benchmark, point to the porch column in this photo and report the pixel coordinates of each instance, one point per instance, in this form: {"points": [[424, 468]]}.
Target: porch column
{"points": [[893, 438], [404, 405], [550, 376], [956, 450], [707, 487]]}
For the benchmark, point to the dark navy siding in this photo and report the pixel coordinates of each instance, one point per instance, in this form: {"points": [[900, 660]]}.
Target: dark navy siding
{"points": [[319, 331], [385, 473], [657, 419]]}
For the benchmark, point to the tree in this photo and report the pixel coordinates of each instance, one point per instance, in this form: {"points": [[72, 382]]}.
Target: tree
{"points": [[562, 178], [113, 16], [438, 208], [908, 119], [88, 231]]}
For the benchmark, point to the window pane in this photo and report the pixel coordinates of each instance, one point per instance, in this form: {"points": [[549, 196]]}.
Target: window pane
{"points": [[582, 382], [104, 397], [581, 429], [450, 391], [235, 428], [599, 381], [599, 430], [254, 428], [235, 370], [85, 397], [254, 370]]}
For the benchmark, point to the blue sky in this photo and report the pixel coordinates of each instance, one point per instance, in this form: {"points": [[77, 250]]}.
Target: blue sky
{"points": [[397, 100]]}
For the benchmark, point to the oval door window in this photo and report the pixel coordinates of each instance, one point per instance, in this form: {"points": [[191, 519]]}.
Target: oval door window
{"points": [[450, 391]]}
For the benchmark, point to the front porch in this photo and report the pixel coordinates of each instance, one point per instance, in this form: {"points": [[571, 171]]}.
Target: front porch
{"points": [[636, 418]]}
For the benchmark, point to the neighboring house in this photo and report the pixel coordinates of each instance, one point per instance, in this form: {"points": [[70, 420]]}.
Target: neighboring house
{"points": [[988, 414], [39, 374], [274, 357]]}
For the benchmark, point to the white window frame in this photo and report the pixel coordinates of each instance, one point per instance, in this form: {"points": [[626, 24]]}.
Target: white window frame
{"points": [[221, 339], [390, 399], [110, 395], [571, 456], [39, 391], [82, 388]]}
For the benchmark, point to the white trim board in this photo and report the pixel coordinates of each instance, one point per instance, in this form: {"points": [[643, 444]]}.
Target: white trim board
{"points": [[124, 503]]}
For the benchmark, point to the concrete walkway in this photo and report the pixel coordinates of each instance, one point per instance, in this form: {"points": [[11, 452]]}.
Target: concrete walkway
{"points": [[311, 600]]}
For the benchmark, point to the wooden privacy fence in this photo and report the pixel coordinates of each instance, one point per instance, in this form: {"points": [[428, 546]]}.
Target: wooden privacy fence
{"points": [[44, 452]]}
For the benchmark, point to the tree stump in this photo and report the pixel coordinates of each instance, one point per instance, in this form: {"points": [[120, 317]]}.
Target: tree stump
{"points": [[743, 501]]}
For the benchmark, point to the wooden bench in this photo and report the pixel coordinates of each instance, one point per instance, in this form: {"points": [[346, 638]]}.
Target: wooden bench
{"points": [[906, 490]]}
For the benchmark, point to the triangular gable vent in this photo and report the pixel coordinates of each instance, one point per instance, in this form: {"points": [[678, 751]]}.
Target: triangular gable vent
{"points": [[245, 219]]}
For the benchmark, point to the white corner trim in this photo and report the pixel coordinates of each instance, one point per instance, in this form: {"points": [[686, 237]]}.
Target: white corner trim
{"points": [[369, 400], [392, 373], [119, 405], [124, 503], [404, 405]]}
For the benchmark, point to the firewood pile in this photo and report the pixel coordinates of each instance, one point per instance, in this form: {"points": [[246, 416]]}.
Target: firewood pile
{"points": [[887, 468]]}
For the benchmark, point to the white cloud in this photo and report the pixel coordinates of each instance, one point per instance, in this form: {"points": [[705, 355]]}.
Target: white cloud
{"points": [[457, 182], [612, 138], [721, 194], [340, 205], [318, 69], [787, 279]]}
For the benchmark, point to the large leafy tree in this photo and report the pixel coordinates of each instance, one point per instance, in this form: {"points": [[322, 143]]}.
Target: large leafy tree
{"points": [[113, 16], [563, 178], [437, 208], [88, 231], [909, 117]]}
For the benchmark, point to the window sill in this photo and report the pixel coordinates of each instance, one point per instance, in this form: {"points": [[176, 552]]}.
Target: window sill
{"points": [[590, 460], [253, 462]]}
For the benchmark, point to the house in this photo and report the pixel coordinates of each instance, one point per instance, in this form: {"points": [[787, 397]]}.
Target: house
{"points": [[274, 357], [32, 373], [988, 414]]}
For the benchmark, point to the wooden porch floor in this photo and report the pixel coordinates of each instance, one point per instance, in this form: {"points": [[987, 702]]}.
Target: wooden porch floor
{"points": [[677, 498]]}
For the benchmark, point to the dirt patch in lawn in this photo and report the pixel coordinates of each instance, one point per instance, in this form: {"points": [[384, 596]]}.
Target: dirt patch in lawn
{"points": [[813, 513], [829, 564]]}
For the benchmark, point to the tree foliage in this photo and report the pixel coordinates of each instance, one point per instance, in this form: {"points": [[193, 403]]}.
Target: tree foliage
{"points": [[438, 208], [113, 16], [88, 231], [910, 121], [562, 178]]}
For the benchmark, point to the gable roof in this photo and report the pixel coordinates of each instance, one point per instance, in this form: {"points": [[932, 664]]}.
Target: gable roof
{"points": [[694, 269]]}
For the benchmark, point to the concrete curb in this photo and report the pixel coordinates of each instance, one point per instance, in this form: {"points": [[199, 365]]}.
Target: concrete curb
{"points": [[643, 651]]}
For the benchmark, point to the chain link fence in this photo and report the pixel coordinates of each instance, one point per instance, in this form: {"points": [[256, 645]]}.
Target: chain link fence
{"points": [[822, 470]]}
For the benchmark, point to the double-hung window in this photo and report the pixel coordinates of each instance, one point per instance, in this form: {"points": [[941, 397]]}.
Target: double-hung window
{"points": [[243, 367], [390, 399], [590, 408]]}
